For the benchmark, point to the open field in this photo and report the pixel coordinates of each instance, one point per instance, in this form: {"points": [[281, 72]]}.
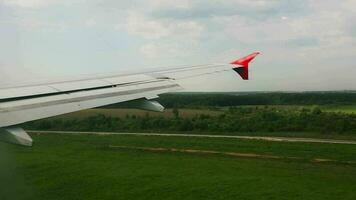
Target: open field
{"points": [[67, 166], [341, 108]]}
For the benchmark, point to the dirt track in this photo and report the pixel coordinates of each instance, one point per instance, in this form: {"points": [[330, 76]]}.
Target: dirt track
{"points": [[232, 154]]}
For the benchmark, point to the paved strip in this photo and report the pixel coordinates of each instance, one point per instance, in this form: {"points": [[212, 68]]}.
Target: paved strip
{"points": [[263, 138]]}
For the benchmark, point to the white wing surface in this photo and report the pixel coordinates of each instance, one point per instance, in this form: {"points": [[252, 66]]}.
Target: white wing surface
{"points": [[32, 102]]}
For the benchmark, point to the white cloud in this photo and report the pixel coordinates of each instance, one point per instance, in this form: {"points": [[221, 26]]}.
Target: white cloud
{"points": [[329, 26], [150, 50], [154, 50], [255, 3], [29, 3], [189, 29], [168, 4], [300, 39], [165, 38], [39, 3], [138, 24], [90, 23]]}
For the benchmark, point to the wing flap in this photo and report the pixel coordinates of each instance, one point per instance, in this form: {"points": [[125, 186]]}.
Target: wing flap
{"points": [[79, 85], [16, 92], [120, 80], [71, 86], [21, 111]]}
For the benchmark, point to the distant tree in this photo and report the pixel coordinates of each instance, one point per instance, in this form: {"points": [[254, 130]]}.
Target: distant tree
{"points": [[316, 111], [175, 112]]}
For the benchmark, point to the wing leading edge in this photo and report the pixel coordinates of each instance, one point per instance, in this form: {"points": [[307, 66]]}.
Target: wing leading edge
{"points": [[32, 102]]}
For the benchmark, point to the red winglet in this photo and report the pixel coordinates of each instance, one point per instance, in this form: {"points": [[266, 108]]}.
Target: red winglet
{"points": [[245, 60], [242, 68]]}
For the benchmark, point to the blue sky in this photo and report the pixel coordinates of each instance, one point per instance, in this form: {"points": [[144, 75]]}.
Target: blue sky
{"points": [[305, 45]]}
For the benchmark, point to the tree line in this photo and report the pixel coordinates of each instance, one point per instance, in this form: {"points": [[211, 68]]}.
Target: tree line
{"points": [[234, 119], [272, 98], [199, 100]]}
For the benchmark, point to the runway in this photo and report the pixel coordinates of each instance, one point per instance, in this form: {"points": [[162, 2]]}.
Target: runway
{"points": [[262, 138]]}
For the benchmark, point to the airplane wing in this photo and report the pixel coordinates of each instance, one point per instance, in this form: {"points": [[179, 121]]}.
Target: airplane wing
{"points": [[32, 102]]}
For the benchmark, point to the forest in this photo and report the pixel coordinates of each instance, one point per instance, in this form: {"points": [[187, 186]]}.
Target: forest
{"points": [[185, 100], [235, 116]]}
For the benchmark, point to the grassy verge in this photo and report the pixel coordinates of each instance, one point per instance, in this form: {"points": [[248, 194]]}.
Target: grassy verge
{"points": [[62, 166]]}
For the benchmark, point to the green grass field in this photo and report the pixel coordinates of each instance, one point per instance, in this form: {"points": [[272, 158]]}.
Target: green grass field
{"points": [[63, 166], [345, 109]]}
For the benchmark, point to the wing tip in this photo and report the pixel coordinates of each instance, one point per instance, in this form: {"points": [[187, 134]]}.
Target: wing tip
{"points": [[241, 65], [245, 60]]}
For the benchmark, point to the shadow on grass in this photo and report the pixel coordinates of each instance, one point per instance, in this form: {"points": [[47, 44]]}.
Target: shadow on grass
{"points": [[12, 183]]}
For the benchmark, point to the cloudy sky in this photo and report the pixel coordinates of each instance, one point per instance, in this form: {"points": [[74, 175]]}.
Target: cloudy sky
{"points": [[305, 44]]}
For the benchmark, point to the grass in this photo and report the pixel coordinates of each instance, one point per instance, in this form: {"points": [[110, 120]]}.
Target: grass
{"points": [[64, 166], [341, 108]]}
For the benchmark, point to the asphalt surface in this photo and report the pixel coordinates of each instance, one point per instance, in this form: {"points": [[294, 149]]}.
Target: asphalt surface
{"points": [[263, 138]]}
